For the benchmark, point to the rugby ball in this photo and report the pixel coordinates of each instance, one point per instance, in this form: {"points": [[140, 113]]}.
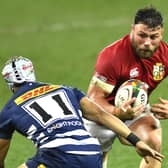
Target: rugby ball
{"points": [[129, 89]]}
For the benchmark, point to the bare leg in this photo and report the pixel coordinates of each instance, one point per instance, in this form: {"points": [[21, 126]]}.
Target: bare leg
{"points": [[105, 159], [147, 128]]}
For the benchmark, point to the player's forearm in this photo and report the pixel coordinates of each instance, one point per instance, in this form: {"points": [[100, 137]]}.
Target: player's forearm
{"points": [[107, 106], [111, 109], [119, 127], [121, 113], [96, 113], [114, 123]]}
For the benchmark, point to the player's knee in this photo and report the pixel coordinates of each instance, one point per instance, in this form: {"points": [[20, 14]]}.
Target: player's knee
{"points": [[149, 130], [155, 134], [155, 139]]}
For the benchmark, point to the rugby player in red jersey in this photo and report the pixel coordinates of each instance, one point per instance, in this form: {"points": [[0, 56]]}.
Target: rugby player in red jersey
{"points": [[140, 55]]}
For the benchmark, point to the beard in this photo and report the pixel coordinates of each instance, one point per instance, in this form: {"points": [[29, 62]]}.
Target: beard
{"points": [[143, 52]]}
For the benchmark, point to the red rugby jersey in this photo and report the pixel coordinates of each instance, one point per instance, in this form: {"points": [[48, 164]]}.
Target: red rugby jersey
{"points": [[117, 63]]}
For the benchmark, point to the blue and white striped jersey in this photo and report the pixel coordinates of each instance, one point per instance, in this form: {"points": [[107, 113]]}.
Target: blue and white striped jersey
{"points": [[50, 116]]}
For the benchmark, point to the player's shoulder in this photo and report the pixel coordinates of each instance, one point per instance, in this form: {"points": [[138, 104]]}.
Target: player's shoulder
{"points": [[110, 55], [162, 53], [163, 47], [74, 89], [117, 48], [8, 108], [120, 42]]}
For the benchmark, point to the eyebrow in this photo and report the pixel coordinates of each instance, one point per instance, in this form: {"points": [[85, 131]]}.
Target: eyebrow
{"points": [[147, 33]]}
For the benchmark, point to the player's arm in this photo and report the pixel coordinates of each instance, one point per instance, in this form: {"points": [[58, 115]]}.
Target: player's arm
{"points": [[99, 90], [160, 110], [94, 112], [4, 146]]}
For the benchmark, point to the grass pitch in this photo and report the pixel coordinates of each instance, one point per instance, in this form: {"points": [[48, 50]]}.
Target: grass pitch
{"points": [[63, 38]]}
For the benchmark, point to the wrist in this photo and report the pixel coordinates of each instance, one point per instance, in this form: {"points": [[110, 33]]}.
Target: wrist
{"points": [[133, 139]]}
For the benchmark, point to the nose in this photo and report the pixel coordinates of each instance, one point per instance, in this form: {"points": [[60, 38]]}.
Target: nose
{"points": [[147, 41]]}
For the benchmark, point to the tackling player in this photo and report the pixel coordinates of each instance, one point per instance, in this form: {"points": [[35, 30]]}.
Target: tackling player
{"points": [[140, 55], [51, 116]]}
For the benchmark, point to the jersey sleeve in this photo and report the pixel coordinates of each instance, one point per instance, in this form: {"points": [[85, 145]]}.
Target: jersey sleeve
{"points": [[78, 93], [6, 128], [106, 66]]}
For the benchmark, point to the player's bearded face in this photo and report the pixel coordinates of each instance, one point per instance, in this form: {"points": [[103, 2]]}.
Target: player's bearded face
{"points": [[145, 40]]}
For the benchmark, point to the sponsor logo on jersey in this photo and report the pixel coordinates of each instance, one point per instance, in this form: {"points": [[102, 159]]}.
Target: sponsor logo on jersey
{"points": [[101, 77], [35, 92], [158, 71], [64, 124], [134, 72]]}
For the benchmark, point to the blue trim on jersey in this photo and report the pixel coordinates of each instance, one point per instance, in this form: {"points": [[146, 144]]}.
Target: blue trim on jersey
{"points": [[51, 119], [53, 158]]}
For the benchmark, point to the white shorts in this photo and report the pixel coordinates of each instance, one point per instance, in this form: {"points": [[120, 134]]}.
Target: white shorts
{"points": [[106, 136]]}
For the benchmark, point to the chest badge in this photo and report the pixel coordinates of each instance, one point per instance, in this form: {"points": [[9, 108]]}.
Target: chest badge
{"points": [[158, 71]]}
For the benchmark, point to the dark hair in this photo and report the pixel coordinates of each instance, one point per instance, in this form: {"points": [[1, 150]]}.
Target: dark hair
{"points": [[19, 84], [149, 16]]}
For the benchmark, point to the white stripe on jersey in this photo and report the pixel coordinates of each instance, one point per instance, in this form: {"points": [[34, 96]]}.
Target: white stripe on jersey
{"points": [[102, 84], [69, 141], [78, 132], [83, 152]]}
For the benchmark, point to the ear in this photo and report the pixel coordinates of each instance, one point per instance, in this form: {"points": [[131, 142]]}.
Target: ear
{"points": [[132, 27], [162, 31]]}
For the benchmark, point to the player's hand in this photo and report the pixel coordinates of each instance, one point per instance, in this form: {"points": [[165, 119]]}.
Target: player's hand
{"points": [[128, 112], [145, 151], [160, 111]]}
